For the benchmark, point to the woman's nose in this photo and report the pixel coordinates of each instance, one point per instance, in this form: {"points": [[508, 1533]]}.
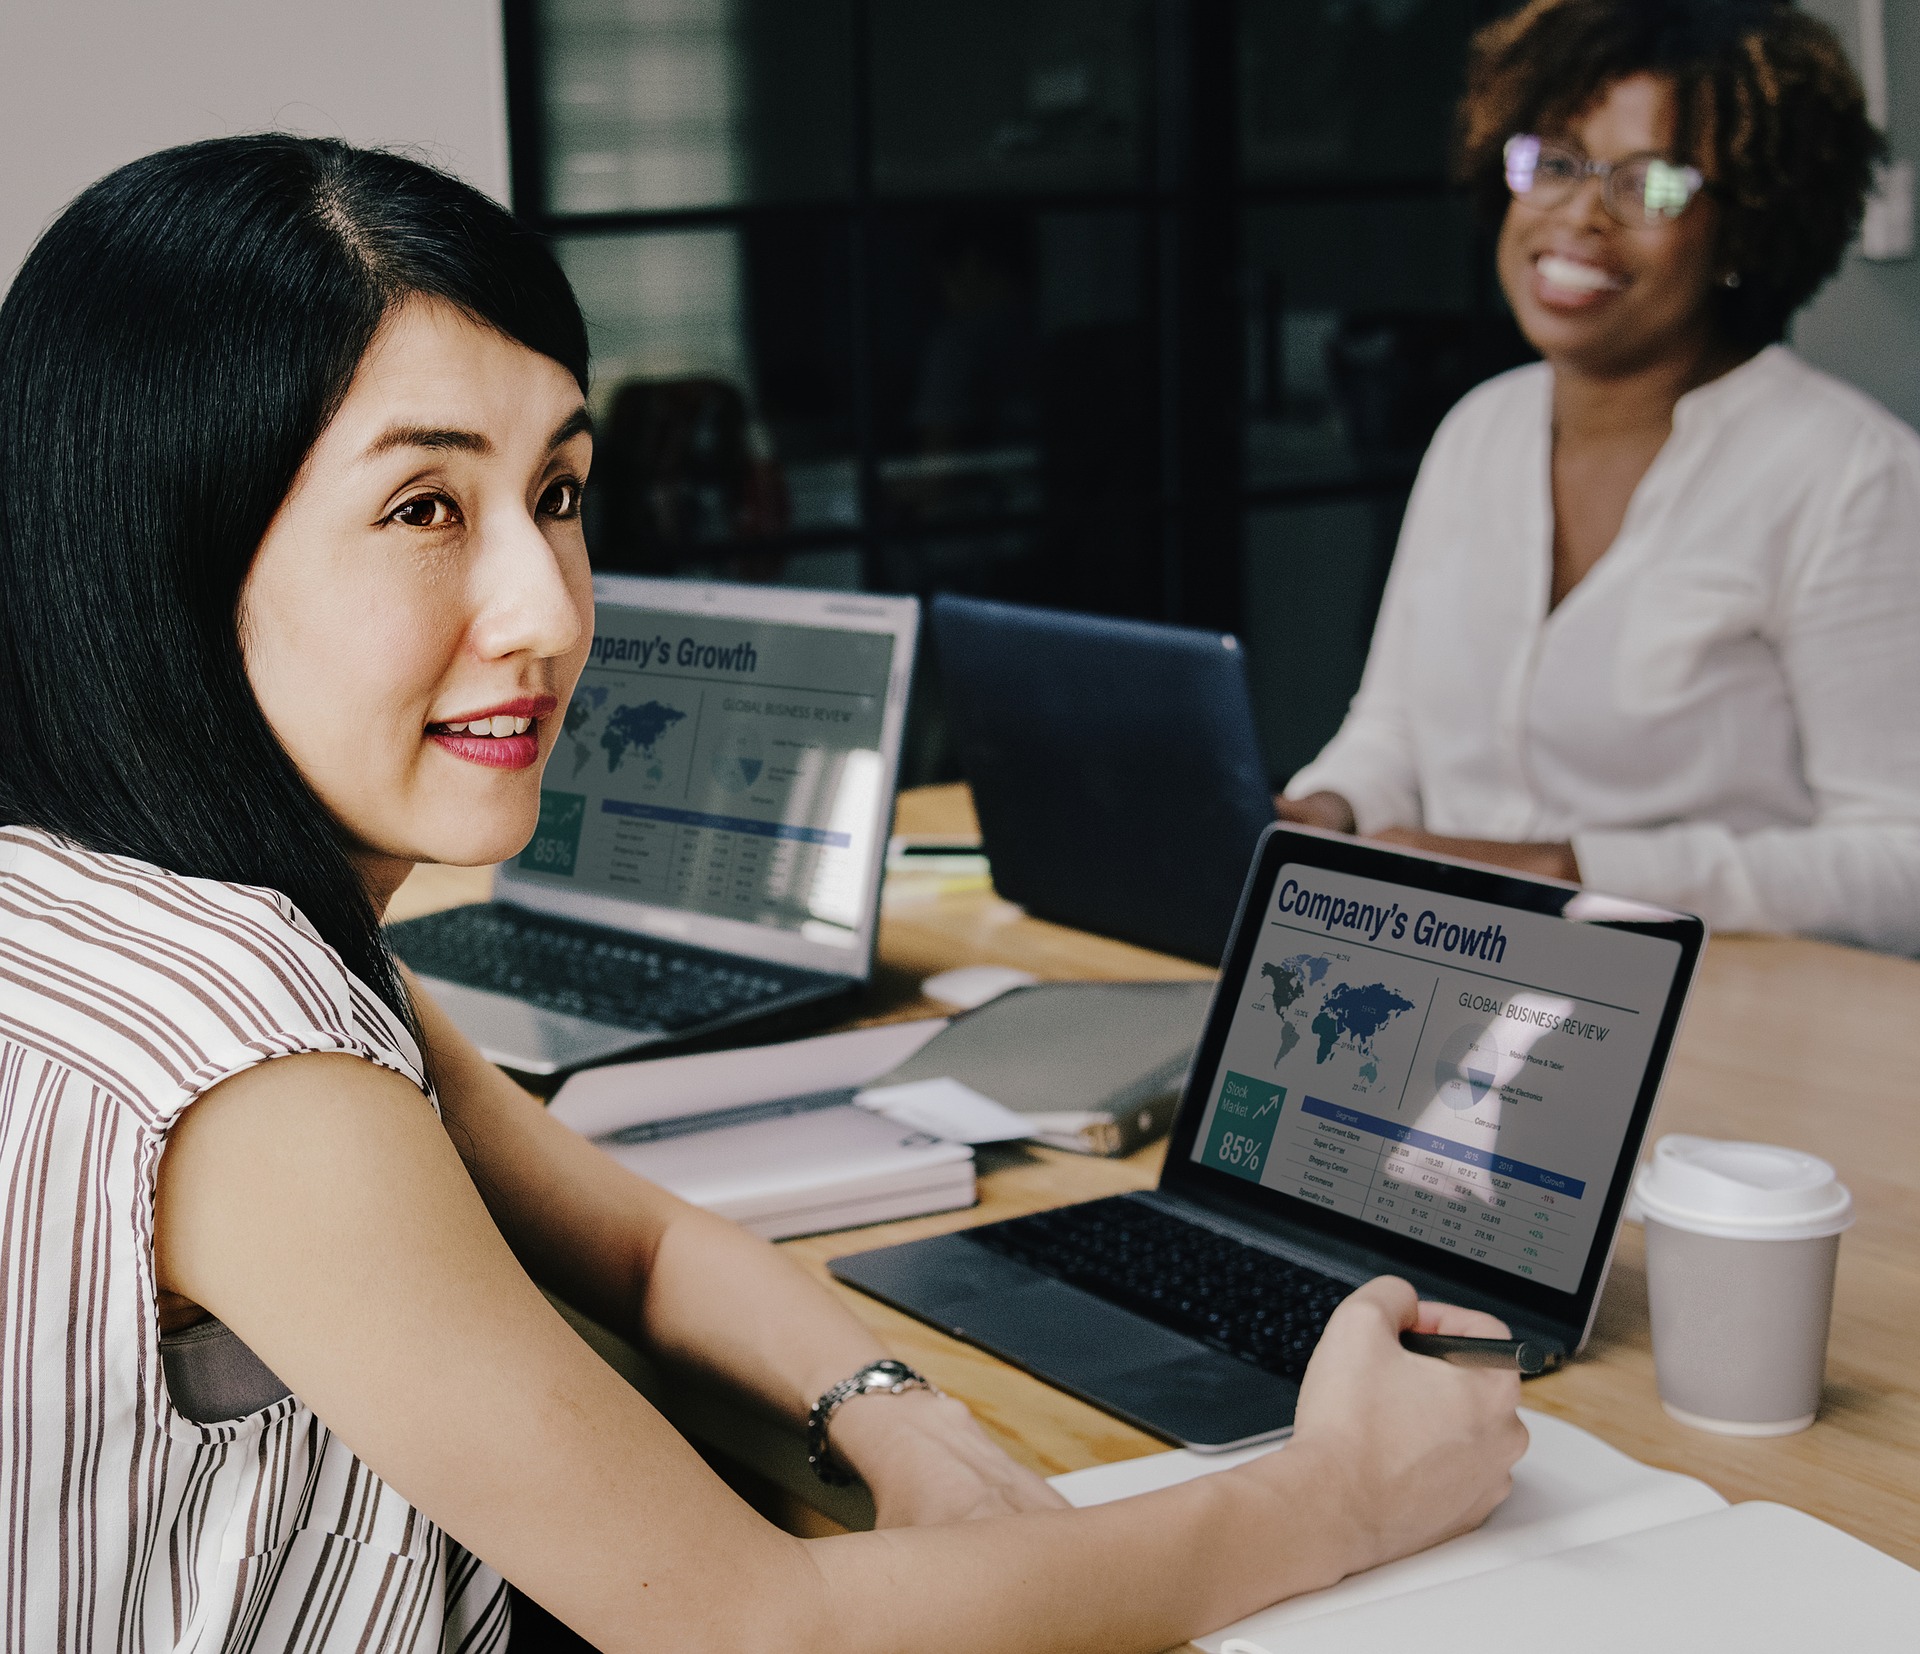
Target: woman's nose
{"points": [[526, 603], [1587, 206]]}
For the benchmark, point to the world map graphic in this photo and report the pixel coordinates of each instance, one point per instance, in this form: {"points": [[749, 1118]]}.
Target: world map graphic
{"points": [[1345, 1014], [619, 731]]}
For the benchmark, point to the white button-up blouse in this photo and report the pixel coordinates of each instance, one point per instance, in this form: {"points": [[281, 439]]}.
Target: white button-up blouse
{"points": [[1724, 716]]}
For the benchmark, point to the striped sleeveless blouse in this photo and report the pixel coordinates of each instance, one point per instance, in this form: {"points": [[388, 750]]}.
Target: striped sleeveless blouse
{"points": [[125, 992]]}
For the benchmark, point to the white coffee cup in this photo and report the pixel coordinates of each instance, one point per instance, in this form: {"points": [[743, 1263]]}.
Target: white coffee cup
{"points": [[1742, 1239]]}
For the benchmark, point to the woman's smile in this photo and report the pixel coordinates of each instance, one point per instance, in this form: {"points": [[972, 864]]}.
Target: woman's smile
{"points": [[1565, 281], [503, 737]]}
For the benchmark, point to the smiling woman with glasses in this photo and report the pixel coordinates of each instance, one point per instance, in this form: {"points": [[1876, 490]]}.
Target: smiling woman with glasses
{"points": [[1654, 621]]}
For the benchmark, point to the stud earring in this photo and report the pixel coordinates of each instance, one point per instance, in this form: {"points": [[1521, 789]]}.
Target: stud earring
{"points": [[1730, 279]]}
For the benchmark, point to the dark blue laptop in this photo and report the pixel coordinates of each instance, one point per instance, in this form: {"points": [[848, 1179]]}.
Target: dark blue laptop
{"points": [[1114, 765]]}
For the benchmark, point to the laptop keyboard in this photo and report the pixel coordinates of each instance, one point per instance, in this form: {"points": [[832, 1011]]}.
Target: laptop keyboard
{"points": [[1189, 1279], [583, 971]]}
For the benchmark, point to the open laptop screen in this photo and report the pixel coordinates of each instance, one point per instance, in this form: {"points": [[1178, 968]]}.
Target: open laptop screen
{"points": [[724, 766], [1445, 1069]]}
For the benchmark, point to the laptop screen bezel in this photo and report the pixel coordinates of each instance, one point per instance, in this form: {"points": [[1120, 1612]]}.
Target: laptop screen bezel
{"points": [[1281, 845], [898, 617]]}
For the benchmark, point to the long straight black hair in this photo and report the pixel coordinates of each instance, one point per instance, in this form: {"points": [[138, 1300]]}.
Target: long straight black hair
{"points": [[169, 353]]}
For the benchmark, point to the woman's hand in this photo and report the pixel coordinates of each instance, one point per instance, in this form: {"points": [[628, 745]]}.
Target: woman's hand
{"points": [[1408, 1450], [1541, 861], [925, 1459], [1326, 810]]}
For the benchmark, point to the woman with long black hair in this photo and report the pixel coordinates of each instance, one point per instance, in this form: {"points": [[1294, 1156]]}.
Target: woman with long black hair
{"points": [[292, 444]]}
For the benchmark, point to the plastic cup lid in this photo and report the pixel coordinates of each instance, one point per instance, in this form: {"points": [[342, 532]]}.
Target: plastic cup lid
{"points": [[1747, 1191]]}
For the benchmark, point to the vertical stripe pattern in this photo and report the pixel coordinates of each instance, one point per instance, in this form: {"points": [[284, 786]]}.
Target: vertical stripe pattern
{"points": [[126, 992]]}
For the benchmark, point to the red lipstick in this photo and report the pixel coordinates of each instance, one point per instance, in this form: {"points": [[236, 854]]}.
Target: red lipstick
{"points": [[495, 752]]}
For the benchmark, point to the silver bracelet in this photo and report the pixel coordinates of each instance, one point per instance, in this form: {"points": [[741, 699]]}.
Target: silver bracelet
{"points": [[876, 1378]]}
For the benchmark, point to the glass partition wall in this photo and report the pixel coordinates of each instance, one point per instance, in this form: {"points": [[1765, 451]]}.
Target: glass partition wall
{"points": [[1138, 306]]}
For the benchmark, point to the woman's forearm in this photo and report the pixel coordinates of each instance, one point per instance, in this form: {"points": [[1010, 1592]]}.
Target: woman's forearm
{"points": [[1140, 1574], [1855, 882], [720, 1300], [1541, 860], [692, 1286]]}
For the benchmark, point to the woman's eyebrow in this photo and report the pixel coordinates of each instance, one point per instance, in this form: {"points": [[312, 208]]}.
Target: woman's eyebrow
{"points": [[423, 436], [573, 425], [468, 442]]}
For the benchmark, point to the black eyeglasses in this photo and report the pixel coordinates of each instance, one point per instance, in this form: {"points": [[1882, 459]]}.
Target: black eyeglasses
{"points": [[1641, 190]]}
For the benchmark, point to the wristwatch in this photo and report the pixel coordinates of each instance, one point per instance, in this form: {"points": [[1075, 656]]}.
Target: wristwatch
{"points": [[876, 1378]]}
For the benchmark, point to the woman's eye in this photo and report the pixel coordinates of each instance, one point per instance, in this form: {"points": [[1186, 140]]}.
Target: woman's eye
{"points": [[426, 511], [562, 499]]}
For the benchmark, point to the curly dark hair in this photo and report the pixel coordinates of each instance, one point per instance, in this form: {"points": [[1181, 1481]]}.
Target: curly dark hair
{"points": [[1769, 109]]}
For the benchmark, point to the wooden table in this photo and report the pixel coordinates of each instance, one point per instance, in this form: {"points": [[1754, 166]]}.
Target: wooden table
{"points": [[1786, 1041]]}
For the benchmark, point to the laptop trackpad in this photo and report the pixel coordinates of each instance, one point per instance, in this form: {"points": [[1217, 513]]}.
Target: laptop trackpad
{"points": [[1132, 1367], [1115, 1359], [1053, 1326], [993, 1300]]}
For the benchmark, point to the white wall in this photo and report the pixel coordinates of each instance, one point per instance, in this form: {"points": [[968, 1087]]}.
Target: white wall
{"points": [[88, 84]]}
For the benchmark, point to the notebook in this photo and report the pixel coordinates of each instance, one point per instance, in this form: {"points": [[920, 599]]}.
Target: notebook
{"points": [[1095, 1067], [770, 1136], [800, 1166], [1592, 1552]]}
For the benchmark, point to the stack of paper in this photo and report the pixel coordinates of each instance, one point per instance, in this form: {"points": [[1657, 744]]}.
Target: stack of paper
{"points": [[770, 1136]]}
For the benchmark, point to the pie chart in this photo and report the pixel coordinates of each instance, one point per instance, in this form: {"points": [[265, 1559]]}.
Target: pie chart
{"points": [[1468, 1067], [737, 761]]}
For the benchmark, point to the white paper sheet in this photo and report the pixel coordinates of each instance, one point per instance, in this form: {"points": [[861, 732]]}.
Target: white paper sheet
{"points": [[948, 1109], [1757, 1578], [1569, 1488]]}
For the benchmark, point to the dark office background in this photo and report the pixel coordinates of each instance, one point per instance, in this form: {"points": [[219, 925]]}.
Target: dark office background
{"points": [[1139, 306]]}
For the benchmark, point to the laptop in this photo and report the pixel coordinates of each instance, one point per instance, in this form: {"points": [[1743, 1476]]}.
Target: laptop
{"points": [[1114, 764], [1411, 1066], [712, 830]]}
